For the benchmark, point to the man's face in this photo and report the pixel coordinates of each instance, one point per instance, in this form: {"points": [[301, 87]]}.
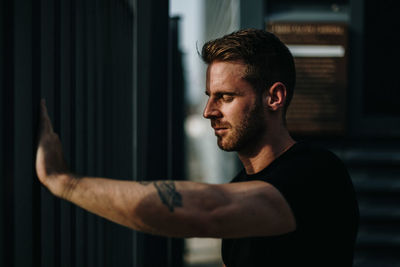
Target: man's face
{"points": [[233, 107]]}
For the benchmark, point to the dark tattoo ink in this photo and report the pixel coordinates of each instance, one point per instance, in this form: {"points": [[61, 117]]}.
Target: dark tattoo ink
{"points": [[168, 195], [144, 182]]}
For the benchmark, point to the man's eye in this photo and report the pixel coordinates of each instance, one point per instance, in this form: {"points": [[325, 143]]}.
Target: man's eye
{"points": [[227, 98]]}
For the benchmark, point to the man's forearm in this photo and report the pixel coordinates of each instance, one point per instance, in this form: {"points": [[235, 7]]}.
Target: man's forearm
{"points": [[164, 207], [158, 207]]}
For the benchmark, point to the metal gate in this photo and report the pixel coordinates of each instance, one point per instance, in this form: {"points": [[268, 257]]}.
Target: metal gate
{"points": [[94, 63]]}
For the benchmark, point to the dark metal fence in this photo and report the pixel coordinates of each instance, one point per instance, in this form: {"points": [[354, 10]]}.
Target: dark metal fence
{"points": [[102, 68]]}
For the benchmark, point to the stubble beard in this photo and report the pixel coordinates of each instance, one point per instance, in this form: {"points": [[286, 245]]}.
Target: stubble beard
{"points": [[247, 131]]}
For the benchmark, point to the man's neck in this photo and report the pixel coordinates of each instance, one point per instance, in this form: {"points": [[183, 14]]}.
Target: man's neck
{"points": [[267, 150]]}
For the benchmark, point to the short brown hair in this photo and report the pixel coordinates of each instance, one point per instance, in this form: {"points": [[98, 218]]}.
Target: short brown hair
{"points": [[268, 60]]}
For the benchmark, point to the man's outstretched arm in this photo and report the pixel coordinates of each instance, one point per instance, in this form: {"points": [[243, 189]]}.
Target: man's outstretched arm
{"points": [[169, 208]]}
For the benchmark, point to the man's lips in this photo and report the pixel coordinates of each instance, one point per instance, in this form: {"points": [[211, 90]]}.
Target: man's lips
{"points": [[219, 127], [220, 130]]}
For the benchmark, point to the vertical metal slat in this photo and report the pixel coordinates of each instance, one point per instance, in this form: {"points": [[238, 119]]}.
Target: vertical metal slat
{"points": [[80, 147], [48, 243], [90, 115], [66, 209], [2, 126], [7, 106], [23, 142]]}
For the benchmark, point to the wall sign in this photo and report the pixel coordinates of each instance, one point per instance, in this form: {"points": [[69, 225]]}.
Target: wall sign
{"points": [[320, 52]]}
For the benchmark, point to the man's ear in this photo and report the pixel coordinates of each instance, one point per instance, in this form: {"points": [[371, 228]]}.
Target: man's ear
{"points": [[276, 96]]}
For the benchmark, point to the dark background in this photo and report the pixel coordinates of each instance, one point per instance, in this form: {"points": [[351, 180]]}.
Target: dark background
{"points": [[111, 74]]}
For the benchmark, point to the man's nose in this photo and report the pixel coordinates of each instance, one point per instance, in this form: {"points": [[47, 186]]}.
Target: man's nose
{"points": [[211, 110]]}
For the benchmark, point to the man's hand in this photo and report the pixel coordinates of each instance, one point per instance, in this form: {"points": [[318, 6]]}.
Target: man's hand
{"points": [[51, 168]]}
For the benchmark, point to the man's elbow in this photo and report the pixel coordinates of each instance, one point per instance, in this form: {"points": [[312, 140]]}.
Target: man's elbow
{"points": [[215, 223]]}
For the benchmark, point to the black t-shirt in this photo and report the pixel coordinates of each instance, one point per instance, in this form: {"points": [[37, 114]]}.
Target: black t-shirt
{"points": [[319, 191]]}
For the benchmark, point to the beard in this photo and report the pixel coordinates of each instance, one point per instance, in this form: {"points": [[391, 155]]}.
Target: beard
{"points": [[246, 131]]}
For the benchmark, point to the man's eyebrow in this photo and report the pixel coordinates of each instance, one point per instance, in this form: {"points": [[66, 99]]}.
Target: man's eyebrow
{"points": [[228, 93], [223, 92]]}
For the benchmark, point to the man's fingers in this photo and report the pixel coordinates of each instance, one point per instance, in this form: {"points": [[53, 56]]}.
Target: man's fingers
{"points": [[45, 123]]}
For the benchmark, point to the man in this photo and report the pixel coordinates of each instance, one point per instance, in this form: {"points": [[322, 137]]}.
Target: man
{"points": [[292, 204]]}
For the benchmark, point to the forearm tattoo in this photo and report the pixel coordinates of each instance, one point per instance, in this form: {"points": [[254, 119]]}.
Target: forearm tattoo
{"points": [[167, 193]]}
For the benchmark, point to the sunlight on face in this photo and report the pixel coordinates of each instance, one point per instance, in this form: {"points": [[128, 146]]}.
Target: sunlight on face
{"points": [[234, 109]]}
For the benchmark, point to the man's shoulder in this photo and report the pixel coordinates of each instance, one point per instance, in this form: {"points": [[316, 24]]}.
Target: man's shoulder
{"points": [[312, 153], [309, 165]]}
